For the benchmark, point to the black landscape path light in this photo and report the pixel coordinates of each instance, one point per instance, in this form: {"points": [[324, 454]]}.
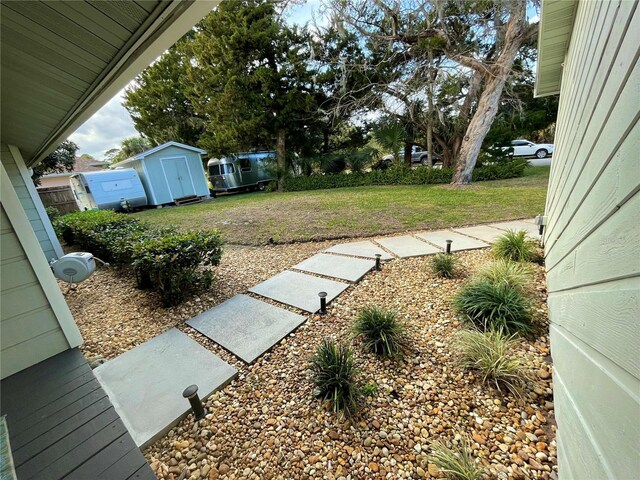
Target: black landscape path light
{"points": [[378, 261], [191, 394], [323, 302], [449, 242]]}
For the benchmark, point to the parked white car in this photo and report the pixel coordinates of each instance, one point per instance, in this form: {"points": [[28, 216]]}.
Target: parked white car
{"points": [[525, 148]]}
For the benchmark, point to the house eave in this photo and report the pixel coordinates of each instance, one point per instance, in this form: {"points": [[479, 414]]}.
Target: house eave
{"points": [[173, 21], [556, 24], [165, 24]]}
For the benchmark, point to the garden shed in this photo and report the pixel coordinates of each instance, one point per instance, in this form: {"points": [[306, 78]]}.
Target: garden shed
{"points": [[170, 173]]}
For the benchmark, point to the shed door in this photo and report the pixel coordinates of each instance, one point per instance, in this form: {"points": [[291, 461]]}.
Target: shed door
{"points": [[178, 177]]}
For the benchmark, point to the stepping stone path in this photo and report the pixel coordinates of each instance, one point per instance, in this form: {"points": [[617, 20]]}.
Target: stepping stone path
{"points": [[345, 268], [245, 326], [407, 246], [483, 232], [529, 227], [299, 290], [460, 242], [146, 383], [360, 249]]}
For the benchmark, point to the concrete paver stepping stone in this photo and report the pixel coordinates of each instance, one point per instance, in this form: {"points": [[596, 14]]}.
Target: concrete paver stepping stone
{"points": [[460, 242], [407, 246], [517, 225], [364, 249], [245, 326], [483, 232], [146, 383], [299, 290], [345, 268]]}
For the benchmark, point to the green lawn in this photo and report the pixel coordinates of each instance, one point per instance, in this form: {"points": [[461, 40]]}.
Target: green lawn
{"points": [[257, 218]]}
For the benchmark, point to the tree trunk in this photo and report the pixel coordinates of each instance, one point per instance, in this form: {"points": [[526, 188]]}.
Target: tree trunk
{"points": [[495, 79], [407, 152], [477, 130], [430, 113], [325, 140], [281, 158]]}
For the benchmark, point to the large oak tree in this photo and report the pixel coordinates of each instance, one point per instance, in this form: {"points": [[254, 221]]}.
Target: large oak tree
{"points": [[478, 40]]}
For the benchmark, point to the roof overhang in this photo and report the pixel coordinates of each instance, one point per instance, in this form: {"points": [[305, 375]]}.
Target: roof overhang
{"points": [[62, 61], [554, 35]]}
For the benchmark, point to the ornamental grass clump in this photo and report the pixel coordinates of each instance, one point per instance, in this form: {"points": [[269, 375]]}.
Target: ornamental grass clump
{"points": [[443, 265], [516, 275], [455, 462], [515, 246], [381, 330], [335, 375], [490, 306], [488, 354]]}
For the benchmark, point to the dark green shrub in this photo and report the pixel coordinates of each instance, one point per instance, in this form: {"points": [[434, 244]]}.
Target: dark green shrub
{"points": [[114, 243], [53, 213], [515, 246], [491, 306], [401, 174], [79, 227], [171, 263], [334, 374], [443, 265], [383, 333], [162, 259], [488, 354]]}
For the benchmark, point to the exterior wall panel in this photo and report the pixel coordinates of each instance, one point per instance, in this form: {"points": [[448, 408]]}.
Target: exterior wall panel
{"points": [[592, 243], [29, 331], [31, 202]]}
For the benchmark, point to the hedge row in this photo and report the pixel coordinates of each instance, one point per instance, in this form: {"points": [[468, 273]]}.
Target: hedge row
{"points": [[163, 259], [402, 175]]}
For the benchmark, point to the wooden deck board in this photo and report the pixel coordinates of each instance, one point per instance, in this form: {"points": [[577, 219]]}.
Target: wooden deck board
{"points": [[62, 424], [59, 431], [46, 412], [27, 432]]}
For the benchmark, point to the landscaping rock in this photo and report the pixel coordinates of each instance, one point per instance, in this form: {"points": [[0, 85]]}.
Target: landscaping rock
{"points": [[421, 397]]}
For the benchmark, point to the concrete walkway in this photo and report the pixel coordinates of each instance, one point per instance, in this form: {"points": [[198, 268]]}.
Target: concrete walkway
{"points": [[145, 383]]}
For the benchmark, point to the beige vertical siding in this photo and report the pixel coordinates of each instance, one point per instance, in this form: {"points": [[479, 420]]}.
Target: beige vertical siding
{"points": [[28, 198], [592, 244]]}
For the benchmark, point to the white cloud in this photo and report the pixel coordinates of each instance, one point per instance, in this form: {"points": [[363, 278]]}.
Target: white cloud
{"points": [[105, 129]]}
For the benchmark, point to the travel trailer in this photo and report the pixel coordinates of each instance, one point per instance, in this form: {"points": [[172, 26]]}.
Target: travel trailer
{"points": [[240, 171], [108, 190]]}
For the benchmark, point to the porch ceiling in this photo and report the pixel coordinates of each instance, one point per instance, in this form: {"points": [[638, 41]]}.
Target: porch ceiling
{"points": [[556, 24], [61, 61]]}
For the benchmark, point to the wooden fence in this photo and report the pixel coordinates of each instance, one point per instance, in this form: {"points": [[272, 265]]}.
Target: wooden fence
{"points": [[60, 197]]}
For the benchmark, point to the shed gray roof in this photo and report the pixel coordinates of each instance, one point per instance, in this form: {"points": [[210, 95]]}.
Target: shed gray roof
{"points": [[165, 145]]}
